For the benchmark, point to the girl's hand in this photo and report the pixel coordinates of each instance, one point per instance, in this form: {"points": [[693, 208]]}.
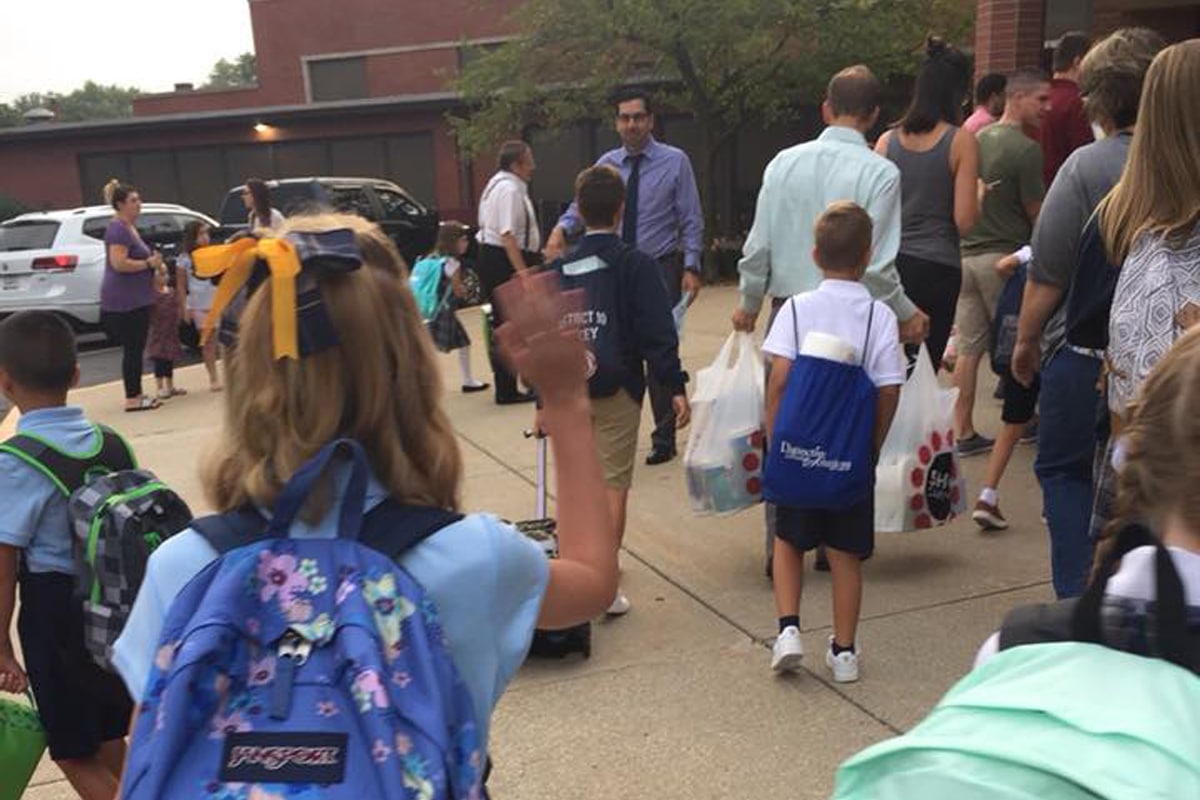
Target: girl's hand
{"points": [[540, 339]]}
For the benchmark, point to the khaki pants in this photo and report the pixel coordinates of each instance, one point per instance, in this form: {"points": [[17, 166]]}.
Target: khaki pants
{"points": [[977, 301], [615, 422]]}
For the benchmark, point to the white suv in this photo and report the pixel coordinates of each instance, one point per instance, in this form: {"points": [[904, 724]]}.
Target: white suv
{"points": [[54, 260]]}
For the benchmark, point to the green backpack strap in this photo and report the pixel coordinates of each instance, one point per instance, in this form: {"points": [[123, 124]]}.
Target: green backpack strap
{"points": [[70, 471]]}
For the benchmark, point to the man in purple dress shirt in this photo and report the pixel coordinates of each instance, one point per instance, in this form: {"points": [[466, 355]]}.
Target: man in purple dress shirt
{"points": [[662, 219]]}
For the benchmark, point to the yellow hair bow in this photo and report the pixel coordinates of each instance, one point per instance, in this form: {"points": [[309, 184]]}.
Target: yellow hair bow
{"points": [[234, 264]]}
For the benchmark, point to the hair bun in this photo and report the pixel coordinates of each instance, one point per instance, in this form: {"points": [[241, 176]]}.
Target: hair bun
{"points": [[935, 46], [110, 190]]}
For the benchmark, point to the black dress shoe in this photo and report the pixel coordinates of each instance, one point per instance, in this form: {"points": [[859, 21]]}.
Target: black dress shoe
{"points": [[479, 387], [516, 399], [659, 456]]}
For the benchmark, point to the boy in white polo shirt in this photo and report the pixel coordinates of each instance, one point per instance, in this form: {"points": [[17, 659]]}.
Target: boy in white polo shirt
{"points": [[841, 306]]}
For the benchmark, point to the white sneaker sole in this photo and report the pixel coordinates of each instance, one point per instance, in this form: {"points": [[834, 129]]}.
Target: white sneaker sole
{"points": [[989, 522], [788, 662]]}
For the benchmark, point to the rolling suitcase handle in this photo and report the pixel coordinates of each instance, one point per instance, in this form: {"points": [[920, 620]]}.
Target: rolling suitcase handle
{"points": [[543, 489]]}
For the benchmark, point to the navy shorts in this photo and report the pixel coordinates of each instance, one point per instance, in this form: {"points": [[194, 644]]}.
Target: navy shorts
{"points": [[82, 705], [1020, 403], [850, 530]]}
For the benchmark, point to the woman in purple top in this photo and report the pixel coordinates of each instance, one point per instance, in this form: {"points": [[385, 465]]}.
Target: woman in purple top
{"points": [[127, 291]]}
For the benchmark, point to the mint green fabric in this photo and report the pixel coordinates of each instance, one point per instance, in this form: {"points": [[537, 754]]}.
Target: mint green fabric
{"points": [[1046, 722], [22, 743]]}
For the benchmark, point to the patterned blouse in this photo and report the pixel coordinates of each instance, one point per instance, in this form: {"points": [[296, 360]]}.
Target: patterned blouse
{"points": [[1158, 280]]}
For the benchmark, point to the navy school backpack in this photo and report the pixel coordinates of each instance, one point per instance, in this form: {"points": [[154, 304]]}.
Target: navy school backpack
{"points": [[119, 514], [307, 668], [822, 449], [1004, 322]]}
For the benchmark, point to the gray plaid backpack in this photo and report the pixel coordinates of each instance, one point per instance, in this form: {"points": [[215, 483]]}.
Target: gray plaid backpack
{"points": [[119, 515]]}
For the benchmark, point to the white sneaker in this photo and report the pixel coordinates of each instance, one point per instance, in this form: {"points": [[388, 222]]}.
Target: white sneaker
{"points": [[788, 650], [844, 664], [620, 605]]}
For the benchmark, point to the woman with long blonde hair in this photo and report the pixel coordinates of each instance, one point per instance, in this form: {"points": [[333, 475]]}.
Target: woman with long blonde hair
{"points": [[1151, 225], [342, 354]]}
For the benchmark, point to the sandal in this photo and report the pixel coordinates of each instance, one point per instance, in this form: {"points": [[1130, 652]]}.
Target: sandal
{"points": [[145, 404], [163, 394], [178, 392]]}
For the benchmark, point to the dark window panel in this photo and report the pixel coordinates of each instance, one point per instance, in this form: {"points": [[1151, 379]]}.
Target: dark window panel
{"points": [[410, 164], [338, 79]]}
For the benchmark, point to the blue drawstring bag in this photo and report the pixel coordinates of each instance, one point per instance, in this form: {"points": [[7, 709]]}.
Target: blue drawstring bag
{"points": [[822, 448]]}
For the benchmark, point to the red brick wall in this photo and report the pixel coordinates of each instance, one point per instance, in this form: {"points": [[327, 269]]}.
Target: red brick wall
{"points": [[354, 25], [189, 102], [421, 72], [1008, 35], [285, 31]]}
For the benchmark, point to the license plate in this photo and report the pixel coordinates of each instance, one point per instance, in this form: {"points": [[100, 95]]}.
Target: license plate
{"points": [[9, 283]]}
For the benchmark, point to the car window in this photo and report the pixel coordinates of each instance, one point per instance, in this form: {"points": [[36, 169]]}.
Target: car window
{"points": [[159, 229], [351, 200], [295, 198], [30, 235], [96, 226], [396, 205], [233, 210]]}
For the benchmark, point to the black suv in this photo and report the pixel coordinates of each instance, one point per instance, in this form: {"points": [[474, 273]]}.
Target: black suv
{"points": [[412, 226]]}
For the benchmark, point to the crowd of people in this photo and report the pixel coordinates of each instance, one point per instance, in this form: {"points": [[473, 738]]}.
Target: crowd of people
{"points": [[905, 244]]}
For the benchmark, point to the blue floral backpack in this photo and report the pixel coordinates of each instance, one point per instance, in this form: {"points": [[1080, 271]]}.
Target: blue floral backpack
{"points": [[307, 668]]}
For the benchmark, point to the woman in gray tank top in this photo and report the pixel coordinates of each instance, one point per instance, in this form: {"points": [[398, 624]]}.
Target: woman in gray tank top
{"points": [[939, 173]]}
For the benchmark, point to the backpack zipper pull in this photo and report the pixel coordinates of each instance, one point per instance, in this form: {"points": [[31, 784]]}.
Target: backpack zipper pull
{"points": [[292, 652]]}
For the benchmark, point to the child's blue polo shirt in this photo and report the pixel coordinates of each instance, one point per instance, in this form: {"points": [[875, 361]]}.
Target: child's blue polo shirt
{"points": [[33, 512]]}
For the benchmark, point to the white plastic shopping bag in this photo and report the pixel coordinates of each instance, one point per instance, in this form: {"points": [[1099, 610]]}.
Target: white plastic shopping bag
{"points": [[723, 459], [918, 483]]}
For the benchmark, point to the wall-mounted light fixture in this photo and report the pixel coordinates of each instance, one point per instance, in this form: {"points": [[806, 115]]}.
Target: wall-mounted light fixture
{"points": [[262, 128]]}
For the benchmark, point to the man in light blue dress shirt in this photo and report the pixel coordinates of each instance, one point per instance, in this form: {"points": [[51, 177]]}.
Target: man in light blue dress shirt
{"points": [[662, 219], [798, 185]]}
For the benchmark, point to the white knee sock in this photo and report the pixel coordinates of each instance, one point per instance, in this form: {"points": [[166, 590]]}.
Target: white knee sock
{"points": [[464, 366]]}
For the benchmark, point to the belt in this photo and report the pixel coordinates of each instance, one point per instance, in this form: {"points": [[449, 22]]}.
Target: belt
{"points": [[1090, 352]]}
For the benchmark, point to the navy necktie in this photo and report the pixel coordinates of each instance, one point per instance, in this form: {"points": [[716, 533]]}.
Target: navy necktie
{"points": [[629, 224]]}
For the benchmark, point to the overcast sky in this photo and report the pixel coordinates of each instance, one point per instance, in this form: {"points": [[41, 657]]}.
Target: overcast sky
{"points": [[56, 45]]}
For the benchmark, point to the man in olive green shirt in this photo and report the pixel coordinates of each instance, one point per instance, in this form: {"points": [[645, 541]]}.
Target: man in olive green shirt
{"points": [[1010, 176]]}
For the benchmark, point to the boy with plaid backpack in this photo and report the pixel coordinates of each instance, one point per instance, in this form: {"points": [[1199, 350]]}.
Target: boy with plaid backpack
{"points": [[57, 460]]}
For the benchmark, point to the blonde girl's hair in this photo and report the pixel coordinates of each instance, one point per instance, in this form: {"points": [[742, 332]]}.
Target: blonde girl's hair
{"points": [[1159, 191], [448, 234], [1161, 444], [378, 385]]}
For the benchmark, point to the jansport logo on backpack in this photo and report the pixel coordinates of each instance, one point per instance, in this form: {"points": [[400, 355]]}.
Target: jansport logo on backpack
{"points": [[119, 515], [307, 668]]}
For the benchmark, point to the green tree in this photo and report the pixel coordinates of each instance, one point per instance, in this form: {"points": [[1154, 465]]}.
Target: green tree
{"points": [[92, 101], [728, 62], [241, 72]]}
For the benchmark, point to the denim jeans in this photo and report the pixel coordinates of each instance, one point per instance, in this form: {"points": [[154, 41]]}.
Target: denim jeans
{"points": [[1067, 438]]}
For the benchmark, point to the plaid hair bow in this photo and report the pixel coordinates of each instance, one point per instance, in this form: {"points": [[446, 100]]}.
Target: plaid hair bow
{"points": [[298, 328]]}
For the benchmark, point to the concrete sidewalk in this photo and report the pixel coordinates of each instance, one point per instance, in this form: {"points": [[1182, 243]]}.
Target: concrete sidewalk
{"points": [[678, 700]]}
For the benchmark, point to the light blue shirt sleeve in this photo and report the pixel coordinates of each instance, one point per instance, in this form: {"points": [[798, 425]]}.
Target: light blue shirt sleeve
{"points": [[691, 217], [25, 522], [754, 270]]}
